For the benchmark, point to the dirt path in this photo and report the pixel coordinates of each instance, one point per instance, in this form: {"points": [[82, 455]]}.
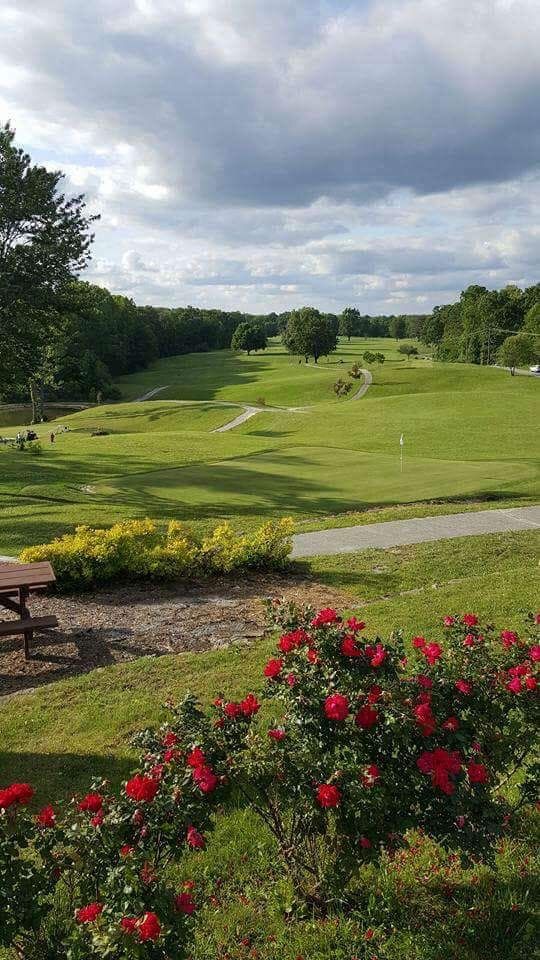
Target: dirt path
{"points": [[149, 395], [368, 380], [127, 621]]}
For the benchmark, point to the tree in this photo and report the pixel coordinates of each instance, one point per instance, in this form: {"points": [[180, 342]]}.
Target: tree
{"points": [[532, 320], [309, 334], [44, 240], [398, 328], [249, 336], [408, 349], [519, 350], [348, 322]]}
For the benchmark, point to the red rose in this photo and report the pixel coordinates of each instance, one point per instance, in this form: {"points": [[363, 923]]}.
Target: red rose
{"points": [[509, 638], [149, 928], [126, 850], [469, 619], [328, 795], [336, 707], [371, 775], [89, 913], [232, 710], [194, 839], [366, 717], [365, 843], [469, 640], [205, 779], [46, 817], [170, 739], [425, 719], [16, 793], [355, 625], [449, 621], [92, 802], [442, 765], [424, 681], [463, 686], [312, 655], [452, 724], [141, 787], [196, 758], [291, 641], [277, 733], [128, 924], [514, 685], [170, 755], [432, 652], [349, 647], [325, 618], [477, 772], [250, 705], [97, 819], [534, 653], [379, 656], [184, 903], [374, 693], [531, 683], [419, 642], [273, 669]]}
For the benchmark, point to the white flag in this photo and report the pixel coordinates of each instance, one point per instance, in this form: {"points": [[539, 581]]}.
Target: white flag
{"points": [[401, 441]]}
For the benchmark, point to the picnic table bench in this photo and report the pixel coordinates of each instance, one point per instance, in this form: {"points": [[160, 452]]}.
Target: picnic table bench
{"points": [[17, 582]]}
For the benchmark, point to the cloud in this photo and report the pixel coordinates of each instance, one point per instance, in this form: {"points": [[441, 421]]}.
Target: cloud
{"points": [[288, 149]]}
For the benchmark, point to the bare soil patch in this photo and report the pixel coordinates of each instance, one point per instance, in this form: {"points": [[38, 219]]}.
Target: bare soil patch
{"points": [[127, 621]]}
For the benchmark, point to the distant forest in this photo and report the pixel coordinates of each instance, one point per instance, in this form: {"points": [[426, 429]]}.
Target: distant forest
{"points": [[100, 336]]}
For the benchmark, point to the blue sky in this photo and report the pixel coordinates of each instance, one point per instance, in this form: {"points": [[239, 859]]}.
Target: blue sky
{"points": [[263, 154]]}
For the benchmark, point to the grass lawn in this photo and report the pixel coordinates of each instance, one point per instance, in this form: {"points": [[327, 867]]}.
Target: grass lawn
{"points": [[469, 435], [420, 906]]}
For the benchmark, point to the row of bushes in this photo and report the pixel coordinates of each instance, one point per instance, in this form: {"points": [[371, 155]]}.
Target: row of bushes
{"points": [[139, 549], [358, 746]]}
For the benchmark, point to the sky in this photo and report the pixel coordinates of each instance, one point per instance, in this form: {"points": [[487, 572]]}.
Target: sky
{"points": [[261, 155]]}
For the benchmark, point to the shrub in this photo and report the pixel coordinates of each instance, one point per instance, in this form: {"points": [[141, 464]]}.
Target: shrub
{"points": [[137, 549], [342, 387], [356, 371]]}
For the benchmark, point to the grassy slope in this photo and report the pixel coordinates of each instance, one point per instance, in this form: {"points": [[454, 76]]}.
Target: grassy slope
{"points": [[469, 433]]}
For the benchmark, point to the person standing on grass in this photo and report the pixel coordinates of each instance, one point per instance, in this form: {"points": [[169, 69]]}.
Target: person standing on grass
{"points": [[52, 437]]}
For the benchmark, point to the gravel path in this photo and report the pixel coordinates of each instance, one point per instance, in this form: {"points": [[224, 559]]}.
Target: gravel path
{"points": [[150, 394], [368, 380], [399, 532]]}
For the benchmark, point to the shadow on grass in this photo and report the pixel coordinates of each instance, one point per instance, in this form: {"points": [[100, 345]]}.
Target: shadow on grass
{"points": [[62, 775]]}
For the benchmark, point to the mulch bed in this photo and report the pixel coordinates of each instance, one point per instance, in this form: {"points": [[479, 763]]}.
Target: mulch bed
{"points": [[127, 621]]}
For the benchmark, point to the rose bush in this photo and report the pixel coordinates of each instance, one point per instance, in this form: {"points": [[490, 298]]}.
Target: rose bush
{"points": [[356, 745]]}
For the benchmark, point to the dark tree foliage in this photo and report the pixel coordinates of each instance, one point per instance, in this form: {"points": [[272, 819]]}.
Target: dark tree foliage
{"points": [[310, 334], [474, 329], [249, 336], [45, 239]]}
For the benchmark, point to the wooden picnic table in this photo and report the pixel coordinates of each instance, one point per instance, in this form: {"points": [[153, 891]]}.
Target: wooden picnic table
{"points": [[17, 582]]}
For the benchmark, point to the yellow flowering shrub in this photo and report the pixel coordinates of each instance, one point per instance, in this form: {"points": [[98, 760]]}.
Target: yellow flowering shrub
{"points": [[138, 549]]}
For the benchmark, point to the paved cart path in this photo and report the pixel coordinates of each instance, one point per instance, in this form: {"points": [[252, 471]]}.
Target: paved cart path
{"points": [[399, 532]]}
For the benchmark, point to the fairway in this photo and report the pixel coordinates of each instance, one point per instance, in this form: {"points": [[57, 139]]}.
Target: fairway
{"points": [[469, 432]]}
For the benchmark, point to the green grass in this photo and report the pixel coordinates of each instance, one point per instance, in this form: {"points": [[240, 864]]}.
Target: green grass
{"points": [[469, 436], [420, 906]]}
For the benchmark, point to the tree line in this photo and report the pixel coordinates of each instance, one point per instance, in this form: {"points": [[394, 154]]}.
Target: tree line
{"points": [[487, 326]]}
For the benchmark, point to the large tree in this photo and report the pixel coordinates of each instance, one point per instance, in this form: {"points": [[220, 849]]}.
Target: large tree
{"points": [[349, 322], [310, 334], [45, 240], [248, 337], [519, 350]]}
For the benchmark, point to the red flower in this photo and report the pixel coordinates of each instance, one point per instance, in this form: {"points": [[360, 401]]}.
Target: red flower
{"points": [[374, 693], [277, 733], [478, 773], [469, 640], [196, 758], [170, 739], [273, 669], [149, 928], [531, 683], [89, 913], [336, 707], [424, 681], [419, 642], [424, 716], [46, 817], [232, 710], [325, 618], [442, 765], [371, 775], [432, 652], [369, 934], [250, 705], [514, 685], [379, 656], [349, 647], [194, 839], [92, 802], [452, 724], [365, 843], [366, 717], [185, 903], [290, 641], [355, 625], [469, 619], [205, 779], [449, 621], [141, 787], [128, 924], [16, 793], [291, 679], [463, 686], [97, 819], [509, 638], [126, 850], [313, 655], [534, 653], [170, 755], [328, 795]]}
